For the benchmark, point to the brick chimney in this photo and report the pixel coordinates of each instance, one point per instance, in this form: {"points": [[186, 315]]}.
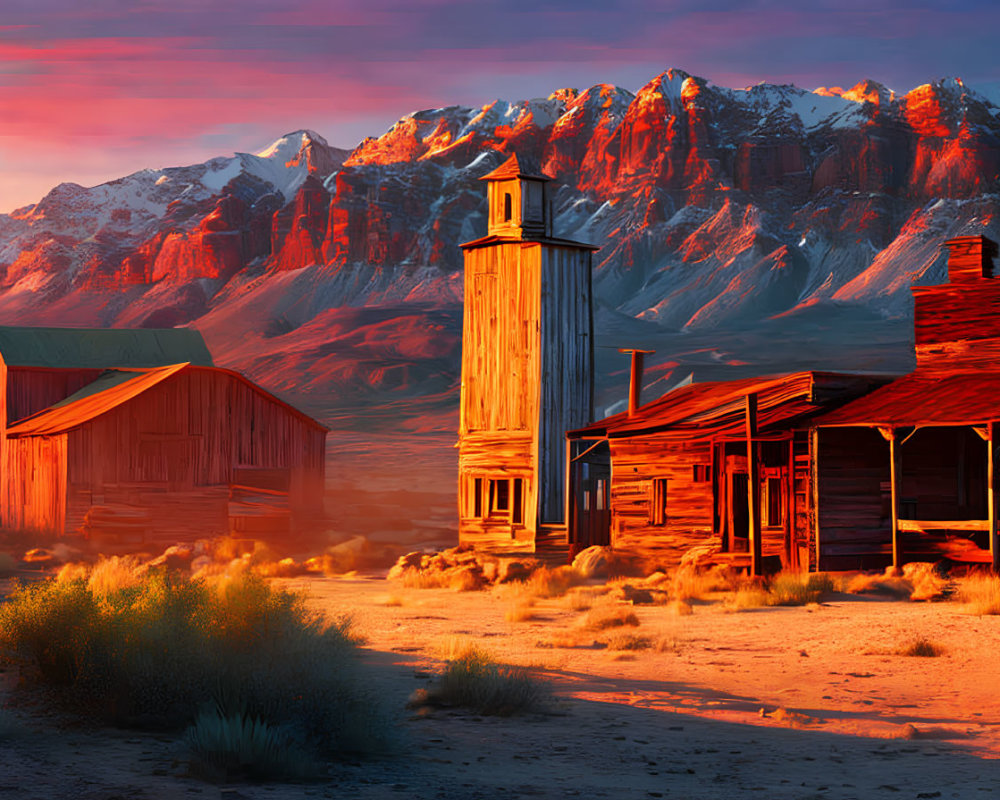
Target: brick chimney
{"points": [[970, 258]]}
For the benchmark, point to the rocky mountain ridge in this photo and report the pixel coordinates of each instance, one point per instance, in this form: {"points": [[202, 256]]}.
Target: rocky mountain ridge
{"points": [[757, 229]]}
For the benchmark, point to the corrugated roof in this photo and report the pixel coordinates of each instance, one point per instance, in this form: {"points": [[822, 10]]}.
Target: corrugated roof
{"points": [[517, 166], [112, 390], [102, 348], [925, 397], [719, 406]]}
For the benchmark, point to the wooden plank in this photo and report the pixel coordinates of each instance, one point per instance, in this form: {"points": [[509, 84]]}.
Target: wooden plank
{"points": [[894, 476], [926, 525], [992, 497], [753, 488]]}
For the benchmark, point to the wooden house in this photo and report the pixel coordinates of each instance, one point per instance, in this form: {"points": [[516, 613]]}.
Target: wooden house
{"points": [[527, 355], [829, 471], [909, 472], [722, 466], [133, 435]]}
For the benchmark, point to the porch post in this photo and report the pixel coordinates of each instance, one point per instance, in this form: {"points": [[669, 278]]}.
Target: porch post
{"points": [[992, 495], [753, 486], [894, 470], [569, 512]]}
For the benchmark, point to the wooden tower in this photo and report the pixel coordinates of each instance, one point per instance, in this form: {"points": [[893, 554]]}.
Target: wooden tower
{"points": [[527, 363]]}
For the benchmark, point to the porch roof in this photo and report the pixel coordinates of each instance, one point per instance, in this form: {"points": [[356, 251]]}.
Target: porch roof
{"points": [[718, 407], [924, 397]]}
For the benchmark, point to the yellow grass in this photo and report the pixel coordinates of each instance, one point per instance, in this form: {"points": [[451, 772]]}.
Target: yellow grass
{"points": [[604, 616], [980, 594]]}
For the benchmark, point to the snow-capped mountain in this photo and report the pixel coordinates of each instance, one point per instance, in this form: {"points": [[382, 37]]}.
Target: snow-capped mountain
{"points": [[759, 229]]}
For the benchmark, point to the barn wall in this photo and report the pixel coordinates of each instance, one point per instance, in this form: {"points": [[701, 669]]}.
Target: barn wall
{"points": [[635, 463], [853, 511], [34, 492], [566, 368], [174, 448], [29, 389]]}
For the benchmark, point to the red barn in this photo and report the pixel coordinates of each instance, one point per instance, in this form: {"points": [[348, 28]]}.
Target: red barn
{"points": [[133, 435]]}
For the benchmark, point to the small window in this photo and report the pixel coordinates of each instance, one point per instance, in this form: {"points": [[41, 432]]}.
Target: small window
{"points": [[658, 502], [499, 496], [508, 207], [517, 503], [702, 473], [477, 498]]}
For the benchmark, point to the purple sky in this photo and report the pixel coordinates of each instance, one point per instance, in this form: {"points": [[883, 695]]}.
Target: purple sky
{"points": [[90, 91]]}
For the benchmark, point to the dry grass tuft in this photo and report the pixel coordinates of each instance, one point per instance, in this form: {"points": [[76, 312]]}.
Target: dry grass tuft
{"points": [[626, 640], [690, 582], [473, 679], [604, 616], [918, 580], [921, 648], [799, 589], [553, 581], [521, 610], [980, 594]]}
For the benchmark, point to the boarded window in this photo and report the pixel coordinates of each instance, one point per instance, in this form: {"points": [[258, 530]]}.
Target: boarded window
{"points": [[702, 473], [508, 207], [658, 502]]}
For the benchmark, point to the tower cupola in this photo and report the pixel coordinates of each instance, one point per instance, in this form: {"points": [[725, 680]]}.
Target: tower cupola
{"points": [[518, 197]]}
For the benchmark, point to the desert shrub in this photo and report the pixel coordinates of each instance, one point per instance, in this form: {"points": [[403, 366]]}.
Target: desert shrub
{"points": [[791, 589], [240, 746], [921, 648], [473, 679], [521, 610], [917, 580], [980, 594], [625, 640], [691, 582], [553, 581], [603, 616], [155, 653]]}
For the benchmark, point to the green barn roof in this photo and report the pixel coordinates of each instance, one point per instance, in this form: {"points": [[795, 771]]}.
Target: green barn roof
{"points": [[102, 348]]}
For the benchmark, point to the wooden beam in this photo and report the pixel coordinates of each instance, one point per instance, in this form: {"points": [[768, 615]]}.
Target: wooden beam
{"points": [[791, 550], [753, 486], [814, 493], [894, 476], [992, 496]]}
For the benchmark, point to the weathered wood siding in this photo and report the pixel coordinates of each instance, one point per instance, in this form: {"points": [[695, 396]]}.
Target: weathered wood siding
{"points": [[957, 325], [31, 389], [566, 367], [35, 488], [172, 451], [635, 464], [497, 455], [853, 513], [495, 191], [501, 339], [501, 367]]}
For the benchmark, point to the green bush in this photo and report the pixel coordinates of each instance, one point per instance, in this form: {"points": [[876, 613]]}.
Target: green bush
{"points": [[474, 680], [237, 745], [153, 654]]}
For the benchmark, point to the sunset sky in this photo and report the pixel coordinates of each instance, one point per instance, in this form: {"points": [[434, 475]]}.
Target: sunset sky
{"points": [[90, 91]]}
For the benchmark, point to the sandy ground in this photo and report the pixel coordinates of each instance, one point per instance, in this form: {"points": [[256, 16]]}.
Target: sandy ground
{"points": [[808, 702]]}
